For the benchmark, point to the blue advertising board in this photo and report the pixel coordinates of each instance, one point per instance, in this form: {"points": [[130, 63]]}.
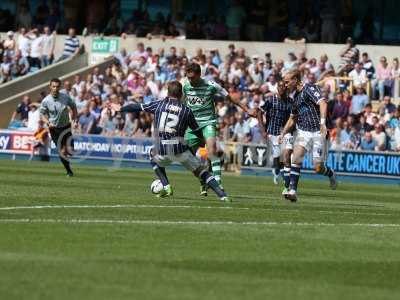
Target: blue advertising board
{"points": [[365, 163], [359, 163], [113, 148]]}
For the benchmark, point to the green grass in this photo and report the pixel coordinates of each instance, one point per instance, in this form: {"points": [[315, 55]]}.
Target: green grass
{"points": [[319, 248]]}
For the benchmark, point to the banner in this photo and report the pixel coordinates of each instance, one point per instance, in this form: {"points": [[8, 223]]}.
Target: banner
{"points": [[255, 156], [85, 146], [118, 148], [376, 164], [16, 142], [365, 163]]}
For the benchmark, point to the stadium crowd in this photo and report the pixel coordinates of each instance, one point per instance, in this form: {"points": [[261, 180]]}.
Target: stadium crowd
{"points": [[140, 76], [31, 51]]}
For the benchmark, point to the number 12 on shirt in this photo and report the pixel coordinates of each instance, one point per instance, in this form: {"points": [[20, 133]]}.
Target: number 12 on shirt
{"points": [[168, 122]]}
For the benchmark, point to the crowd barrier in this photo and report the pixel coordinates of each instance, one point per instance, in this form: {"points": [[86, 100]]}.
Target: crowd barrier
{"points": [[237, 156]]}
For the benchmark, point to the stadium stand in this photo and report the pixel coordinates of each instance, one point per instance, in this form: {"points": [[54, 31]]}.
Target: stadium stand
{"points": [[38, 92], [140, 76]]}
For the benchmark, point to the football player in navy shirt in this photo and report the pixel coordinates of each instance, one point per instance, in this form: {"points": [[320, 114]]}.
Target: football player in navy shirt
{"points": [[309, 114], [171, 119], [277, 109]]}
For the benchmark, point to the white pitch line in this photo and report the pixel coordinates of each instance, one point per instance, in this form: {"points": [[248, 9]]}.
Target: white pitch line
{"points": [[186, 207], [159, 222]]}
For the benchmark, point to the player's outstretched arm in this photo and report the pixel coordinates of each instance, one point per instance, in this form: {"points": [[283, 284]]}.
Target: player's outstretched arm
{"points": [[132, 108], [250, 112]]}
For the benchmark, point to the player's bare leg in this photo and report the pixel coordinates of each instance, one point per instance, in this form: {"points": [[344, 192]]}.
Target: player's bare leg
{"points": [[297, 160]]}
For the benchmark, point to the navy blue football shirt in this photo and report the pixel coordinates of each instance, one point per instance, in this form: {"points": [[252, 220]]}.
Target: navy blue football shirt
{"points": [[277, 111], [171, 119], [306, 107]]}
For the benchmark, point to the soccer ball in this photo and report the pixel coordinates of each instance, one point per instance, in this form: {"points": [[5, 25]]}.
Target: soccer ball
{"points": [[156, 186]]}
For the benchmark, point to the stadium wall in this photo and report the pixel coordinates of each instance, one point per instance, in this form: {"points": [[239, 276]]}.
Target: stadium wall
{"points": [[29, 81], [278, 50], [7, 106]]}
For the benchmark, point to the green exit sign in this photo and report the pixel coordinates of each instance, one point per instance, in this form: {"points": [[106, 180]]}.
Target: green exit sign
{"points": [[105, 45]]}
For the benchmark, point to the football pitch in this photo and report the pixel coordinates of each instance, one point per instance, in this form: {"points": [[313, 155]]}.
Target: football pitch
{"points": [[103, 235]]}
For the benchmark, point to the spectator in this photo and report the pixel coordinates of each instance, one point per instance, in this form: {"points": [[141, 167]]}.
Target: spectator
{"points": [[395, 74], [368, 143], [340, 109], [5, 69], [33, 117], [231, 56], [345, 135], [369, 114], [36, 49], [272, 84], [9, 44], [49, 43], [367, 65], [242, 58], [349, 56], [71, 45], [387, 107], [397, 138], [379, 136], [20, 65], [355, 139], [241, 133], [87, 121], [22, 110], [325, 60], [67, 88], [24, 43], [359, 75], [359, 101], [363, 125], [383, 83], [80, 101], [107, 123], [291, 63]]}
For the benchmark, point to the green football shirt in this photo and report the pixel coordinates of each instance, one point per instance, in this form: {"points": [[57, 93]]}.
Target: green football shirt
{"points": [[200, 99]]}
